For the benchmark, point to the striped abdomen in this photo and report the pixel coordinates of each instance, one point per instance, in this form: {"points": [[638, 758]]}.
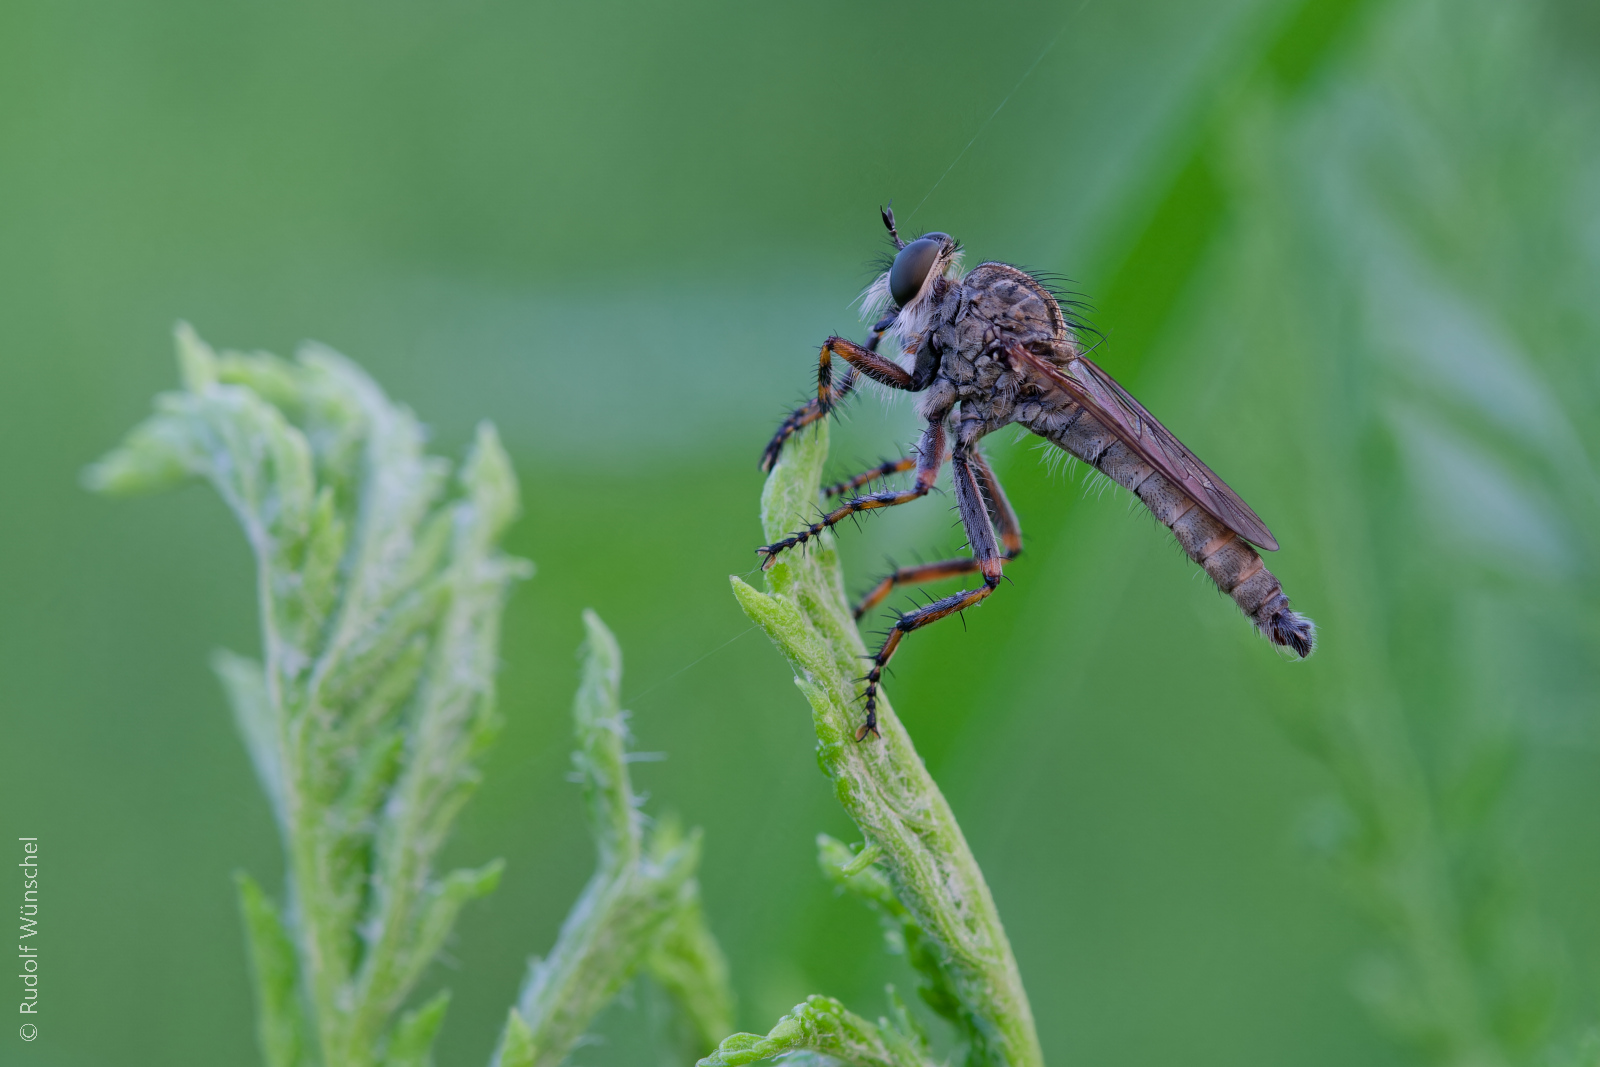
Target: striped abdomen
{"points": [[1231, 562]]}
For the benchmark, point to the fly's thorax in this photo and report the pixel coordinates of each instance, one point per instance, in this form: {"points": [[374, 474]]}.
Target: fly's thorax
{"points": [[983, 381], [1008, 301]]}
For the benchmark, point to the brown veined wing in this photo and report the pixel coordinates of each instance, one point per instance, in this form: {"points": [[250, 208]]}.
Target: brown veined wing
{"points": [[1141, 431]]}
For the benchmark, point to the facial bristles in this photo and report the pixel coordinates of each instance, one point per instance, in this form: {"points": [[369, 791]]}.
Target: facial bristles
{"points": [[875, 298]]}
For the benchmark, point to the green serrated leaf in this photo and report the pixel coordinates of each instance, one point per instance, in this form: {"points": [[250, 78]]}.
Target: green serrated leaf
{"points": [[443, 903], [822, 1025], [369, 711], [490, 483], [688, 963], [274, 379], [371, 780], [154, 457], [412, 1042], [640, 908], [601, 755], [246, 685], [280, 1025], [327, 537], [900, 929], [516, 1043], [854, 872], [197, 363]]}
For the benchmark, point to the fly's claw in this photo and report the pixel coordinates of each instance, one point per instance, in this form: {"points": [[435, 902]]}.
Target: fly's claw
{"points": [[800, 537], [770, 552], [870, 727], [870, 695]]}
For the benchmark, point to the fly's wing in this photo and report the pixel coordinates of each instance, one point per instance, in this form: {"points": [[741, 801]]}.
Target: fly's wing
{"points": [[1115, 407]]}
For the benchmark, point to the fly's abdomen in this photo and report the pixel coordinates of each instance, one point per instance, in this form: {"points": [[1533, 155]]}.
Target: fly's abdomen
{"points": [[1230, 561]]}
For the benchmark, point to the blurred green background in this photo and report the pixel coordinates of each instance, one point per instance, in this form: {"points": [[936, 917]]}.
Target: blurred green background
{"points": [[1349, 251]]}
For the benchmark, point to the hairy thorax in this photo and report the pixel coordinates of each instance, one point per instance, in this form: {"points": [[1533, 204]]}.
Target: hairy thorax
{"points": [[993, 305]]}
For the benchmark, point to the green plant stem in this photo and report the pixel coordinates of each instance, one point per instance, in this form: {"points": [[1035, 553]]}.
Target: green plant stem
{"points": [[883, 784]]}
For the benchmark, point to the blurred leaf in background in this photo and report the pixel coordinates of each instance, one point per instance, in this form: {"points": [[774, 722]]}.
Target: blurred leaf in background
{"points": [[1346, 251], [1412, 240], [1378, 257]]}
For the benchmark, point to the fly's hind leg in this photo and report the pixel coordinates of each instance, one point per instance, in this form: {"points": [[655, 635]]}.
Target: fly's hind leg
{"points": [[987, 559], [1000, 513]]}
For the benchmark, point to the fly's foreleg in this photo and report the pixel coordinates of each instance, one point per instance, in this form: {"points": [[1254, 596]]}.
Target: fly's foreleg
{"points": [[986, 557], [829, 395], [863, 359], [930, 457], [1006, 524]]}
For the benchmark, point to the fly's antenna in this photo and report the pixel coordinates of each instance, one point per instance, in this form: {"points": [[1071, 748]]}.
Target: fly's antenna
{"points": [[888, 220]]}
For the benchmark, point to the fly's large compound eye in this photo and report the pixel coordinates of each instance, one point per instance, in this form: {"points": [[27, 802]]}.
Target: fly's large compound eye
{"points": [[911, 267]]}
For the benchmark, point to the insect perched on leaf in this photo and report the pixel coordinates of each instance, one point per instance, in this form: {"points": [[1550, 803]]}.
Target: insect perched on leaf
{"points": [[991, 347]]}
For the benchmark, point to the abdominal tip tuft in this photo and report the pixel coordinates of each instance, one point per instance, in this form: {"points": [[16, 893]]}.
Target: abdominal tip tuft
{"points": [[1293, 631]]}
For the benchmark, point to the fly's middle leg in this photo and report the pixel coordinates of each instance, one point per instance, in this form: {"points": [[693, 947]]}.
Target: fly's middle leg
{"points": [[1006, 524], [930, 457], [887, 468], [987, 559]]}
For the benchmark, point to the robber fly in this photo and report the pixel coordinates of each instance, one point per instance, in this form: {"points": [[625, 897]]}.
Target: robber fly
{"points": [[987, 348]]}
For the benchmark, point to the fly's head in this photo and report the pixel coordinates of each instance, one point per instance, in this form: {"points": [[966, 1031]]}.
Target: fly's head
{"points": [[910, 287]]}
